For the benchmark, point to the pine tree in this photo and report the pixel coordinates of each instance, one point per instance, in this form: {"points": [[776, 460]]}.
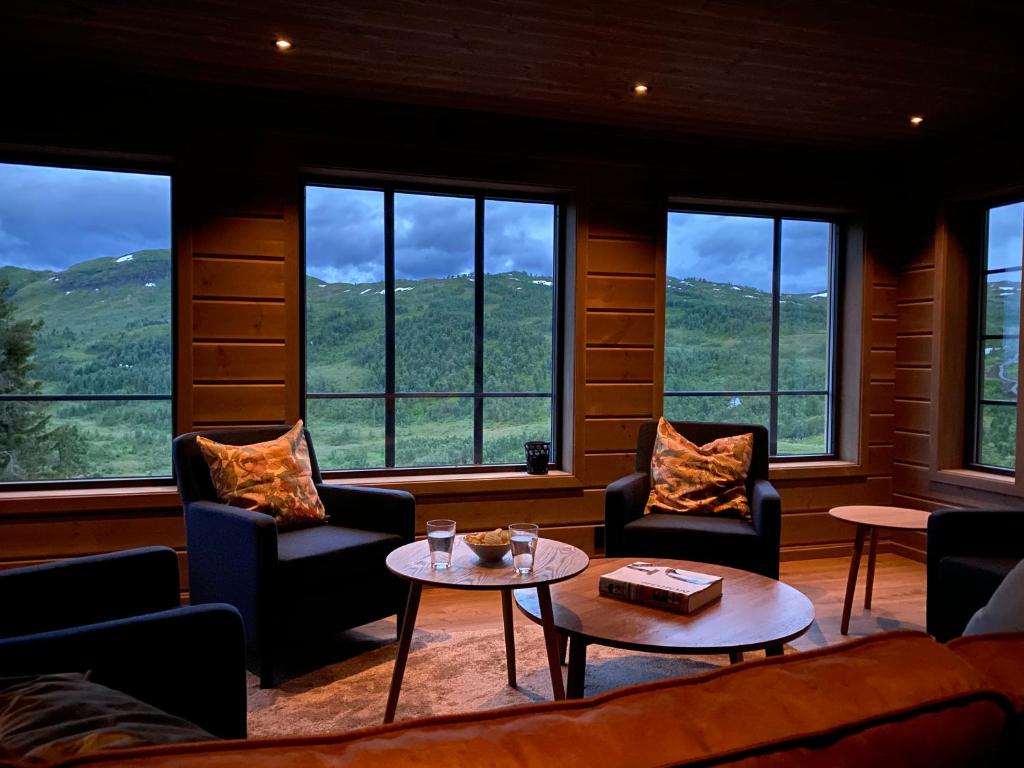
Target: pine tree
{"points": [[29, 448]]}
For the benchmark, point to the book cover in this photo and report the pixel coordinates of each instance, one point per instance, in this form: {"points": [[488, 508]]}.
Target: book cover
{"points": [[660, 587]]}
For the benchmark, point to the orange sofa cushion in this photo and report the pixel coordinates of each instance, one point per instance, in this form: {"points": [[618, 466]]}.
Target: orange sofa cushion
{"points": [[896, 699], [708, 479], [274, 477]]}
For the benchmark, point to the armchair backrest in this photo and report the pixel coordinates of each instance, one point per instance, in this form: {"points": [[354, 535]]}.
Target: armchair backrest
{"points": [[192, 471], [704, 432]]}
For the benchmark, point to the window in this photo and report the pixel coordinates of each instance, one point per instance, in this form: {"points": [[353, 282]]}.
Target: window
{"points": [[995, 412], [85, 324], [749, 325], [430, 326]]}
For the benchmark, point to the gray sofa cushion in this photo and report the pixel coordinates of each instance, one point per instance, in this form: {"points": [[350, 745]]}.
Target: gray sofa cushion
{"points": [[1005, 610]]}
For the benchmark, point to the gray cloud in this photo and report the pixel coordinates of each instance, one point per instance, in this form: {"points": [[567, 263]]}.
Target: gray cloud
{"points": [[434, 235], [1005, 230], [51, 218], [738, 250]]}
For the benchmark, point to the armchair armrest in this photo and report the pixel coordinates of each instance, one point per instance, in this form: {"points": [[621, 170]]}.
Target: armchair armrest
{"points": [[766, 517], [624, 501], [232, 558], [188, 661], [372, 509], [87, 590]]}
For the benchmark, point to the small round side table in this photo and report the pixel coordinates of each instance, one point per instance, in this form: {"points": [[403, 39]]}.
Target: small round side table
{"points": [[869, 520], [553, 562]]}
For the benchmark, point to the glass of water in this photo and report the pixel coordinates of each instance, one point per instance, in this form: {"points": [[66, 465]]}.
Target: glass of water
{"points": [[441, 537], [524, 546]]}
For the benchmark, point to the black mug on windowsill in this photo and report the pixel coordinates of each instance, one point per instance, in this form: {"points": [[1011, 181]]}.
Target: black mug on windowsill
{"points": [[538, 456]]}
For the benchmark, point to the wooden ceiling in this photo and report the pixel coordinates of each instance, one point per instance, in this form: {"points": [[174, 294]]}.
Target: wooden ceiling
{"points": [[833, 73]]}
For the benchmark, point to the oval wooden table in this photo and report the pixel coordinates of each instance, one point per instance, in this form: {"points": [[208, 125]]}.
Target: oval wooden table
{"points": [[755, 612], [869, 520], [553, 562]]}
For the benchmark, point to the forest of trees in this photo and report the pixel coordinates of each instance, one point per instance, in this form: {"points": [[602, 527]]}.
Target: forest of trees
{"points": [[103, 327]]}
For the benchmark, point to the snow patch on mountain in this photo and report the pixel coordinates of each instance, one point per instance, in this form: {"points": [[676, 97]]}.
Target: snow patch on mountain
{"points": [[125, 258]]}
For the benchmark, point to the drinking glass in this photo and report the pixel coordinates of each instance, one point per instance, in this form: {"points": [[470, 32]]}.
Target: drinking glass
{"points": [[441, 537], [524, 546]]}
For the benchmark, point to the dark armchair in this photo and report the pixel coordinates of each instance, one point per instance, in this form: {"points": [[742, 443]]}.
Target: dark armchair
{"points": [[118, 616], [751, 546], [970, 551], [291, 585]]}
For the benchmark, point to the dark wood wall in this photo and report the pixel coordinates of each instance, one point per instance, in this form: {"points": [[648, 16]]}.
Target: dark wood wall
{"points": [[237, 192]]}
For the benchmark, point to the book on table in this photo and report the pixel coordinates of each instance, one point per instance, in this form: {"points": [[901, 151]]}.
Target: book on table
{"points": [[661, 587]]}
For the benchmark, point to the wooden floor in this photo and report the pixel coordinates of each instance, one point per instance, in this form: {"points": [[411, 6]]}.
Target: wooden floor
{"points": [[898, 601]]}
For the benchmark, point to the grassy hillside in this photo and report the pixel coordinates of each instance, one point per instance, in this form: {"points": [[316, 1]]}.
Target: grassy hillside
{"points": [[106, 330]]}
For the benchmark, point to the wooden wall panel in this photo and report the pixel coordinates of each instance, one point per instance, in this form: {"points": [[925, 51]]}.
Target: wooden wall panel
{"points": [[237, 278], [617, 328], [625, 293], [620, 365], [238, 404], [239, 320], [238, 362]]}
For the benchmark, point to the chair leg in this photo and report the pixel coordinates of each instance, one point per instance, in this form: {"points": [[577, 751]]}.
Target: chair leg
{"points": [[267, 677]]}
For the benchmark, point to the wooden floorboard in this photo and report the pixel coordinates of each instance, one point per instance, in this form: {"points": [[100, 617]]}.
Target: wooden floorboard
{"points": [[898, 601]]}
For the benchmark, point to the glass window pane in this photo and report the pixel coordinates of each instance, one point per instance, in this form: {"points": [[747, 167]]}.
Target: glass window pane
{"points": [[802, 425], [434, 432], [344, 290], [1005, 234], [999, 361], [739, 410], [85, 290], [511, 421], [997, 436], [804, 306], [1002, 303], [86, 439], [519, 243], [718, 308], [349, 434], [434, 305]]}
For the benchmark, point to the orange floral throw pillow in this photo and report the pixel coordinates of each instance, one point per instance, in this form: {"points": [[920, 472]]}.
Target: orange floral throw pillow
{"points": [[699, 479], [274, 477]]}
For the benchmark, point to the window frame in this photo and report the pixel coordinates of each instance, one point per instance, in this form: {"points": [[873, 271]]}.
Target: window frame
{"points": [[479, 193], [839, 223], [153, 165], [974, 388]]}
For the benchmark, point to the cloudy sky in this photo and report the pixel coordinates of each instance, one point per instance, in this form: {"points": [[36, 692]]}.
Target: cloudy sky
{"points": [[433, 235], [1005, 232], [51, 218], [738, 250]]}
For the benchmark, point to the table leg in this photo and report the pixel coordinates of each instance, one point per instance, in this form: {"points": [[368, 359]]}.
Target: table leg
{"points": [[851, 582], [547, 618], [577, 668], [408, 625], [510, 638], [563, 647], [735, 657], [872, 551], [775, 649]]}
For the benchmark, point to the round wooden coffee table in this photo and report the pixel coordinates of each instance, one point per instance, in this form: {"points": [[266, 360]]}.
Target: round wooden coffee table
{"points": [[869, 520], [755, 612], [553, 562]]}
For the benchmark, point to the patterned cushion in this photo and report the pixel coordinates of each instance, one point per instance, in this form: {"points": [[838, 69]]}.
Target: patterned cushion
{"points": [[274, 477], [699, 479]]}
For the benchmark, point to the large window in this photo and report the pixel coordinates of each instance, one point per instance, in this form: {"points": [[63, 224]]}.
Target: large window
{"points": [[749, 325], [430, 326], [85, 324], [995, 413]]}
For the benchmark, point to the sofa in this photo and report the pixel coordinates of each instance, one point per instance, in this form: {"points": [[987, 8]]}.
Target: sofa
{"points": [[898, 699]]}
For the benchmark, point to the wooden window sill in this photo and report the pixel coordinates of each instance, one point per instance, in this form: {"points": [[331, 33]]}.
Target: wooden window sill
{"points": [[800, 470], [979, 480], [467, 483], [62, 501]]}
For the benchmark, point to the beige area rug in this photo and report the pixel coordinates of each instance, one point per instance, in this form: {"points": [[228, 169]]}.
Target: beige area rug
{"points": [[447, 673]]}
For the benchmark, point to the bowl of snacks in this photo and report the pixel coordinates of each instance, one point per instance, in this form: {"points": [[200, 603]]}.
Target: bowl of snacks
{"points": [[489, 546]]}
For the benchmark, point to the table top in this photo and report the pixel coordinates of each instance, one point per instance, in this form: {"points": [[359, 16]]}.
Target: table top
{"points": [[554, 561], [754, 611], [883, 517]]}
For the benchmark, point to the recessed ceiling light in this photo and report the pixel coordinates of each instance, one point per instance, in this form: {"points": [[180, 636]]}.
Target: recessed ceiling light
{"points": [[916, 120], [283, 45], [640, 89]]}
